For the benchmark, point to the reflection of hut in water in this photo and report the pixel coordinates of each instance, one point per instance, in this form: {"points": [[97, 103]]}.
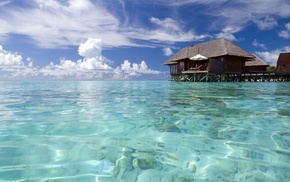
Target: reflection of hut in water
{"points": [[216, 60]]}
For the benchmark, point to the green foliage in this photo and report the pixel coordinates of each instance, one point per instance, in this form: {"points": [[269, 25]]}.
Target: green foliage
{"points": [[271, 68]]}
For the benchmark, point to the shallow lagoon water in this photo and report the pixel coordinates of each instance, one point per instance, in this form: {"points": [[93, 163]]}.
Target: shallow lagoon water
{"points": [[144, 131]]}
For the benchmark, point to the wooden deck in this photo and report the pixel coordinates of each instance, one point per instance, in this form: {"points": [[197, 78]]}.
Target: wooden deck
{"points": [[205, 76], [266, 76]]}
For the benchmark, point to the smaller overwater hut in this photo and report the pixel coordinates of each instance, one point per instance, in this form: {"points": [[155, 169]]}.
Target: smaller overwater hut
{"points": [[258, 65], [283, 62]]}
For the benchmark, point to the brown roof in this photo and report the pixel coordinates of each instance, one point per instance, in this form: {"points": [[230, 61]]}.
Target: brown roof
{"points": [[214, 48], [257, 62]]}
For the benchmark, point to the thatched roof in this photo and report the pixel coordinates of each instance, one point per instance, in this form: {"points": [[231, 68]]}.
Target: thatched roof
{"points": [[257, 62], [210, 49]]}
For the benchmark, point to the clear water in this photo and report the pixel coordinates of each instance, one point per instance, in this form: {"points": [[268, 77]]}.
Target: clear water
{"points": [[144, 131]]}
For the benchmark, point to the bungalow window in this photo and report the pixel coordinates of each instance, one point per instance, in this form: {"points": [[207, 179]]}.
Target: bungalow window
{"points": [[191, 64], [181, 66], [284, 67], [173, 69]]}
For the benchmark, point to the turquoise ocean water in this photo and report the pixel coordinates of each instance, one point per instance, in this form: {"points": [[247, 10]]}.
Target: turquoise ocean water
{"points": [[144, 131]]}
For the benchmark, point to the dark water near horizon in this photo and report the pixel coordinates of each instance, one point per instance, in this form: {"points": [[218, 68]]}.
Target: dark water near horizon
{"points": [[144, 131]]}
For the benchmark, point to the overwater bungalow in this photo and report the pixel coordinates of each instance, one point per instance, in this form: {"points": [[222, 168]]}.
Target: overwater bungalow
{"points": [[216, 60], [283, 62]]}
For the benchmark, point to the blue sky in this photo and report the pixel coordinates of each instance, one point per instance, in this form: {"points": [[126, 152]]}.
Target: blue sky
{"points": [[129, 39]]}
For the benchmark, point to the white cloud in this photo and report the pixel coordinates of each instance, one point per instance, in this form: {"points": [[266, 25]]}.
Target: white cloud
{"points": [[186, 2], [167, 51], [167, 24], [82, 69], [256, 44], [272, 57], [226, 35], [285, 33], [168, 30], [287, 26], [171, 31], [162, 36], [91, 48], [266, 23], [10, 60], [30, 62], [240, 8], [228, 32], [57, 24], [92, 66], [12, 65], [53, 24], [240, 13], [128, 69], [3, 3]]}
